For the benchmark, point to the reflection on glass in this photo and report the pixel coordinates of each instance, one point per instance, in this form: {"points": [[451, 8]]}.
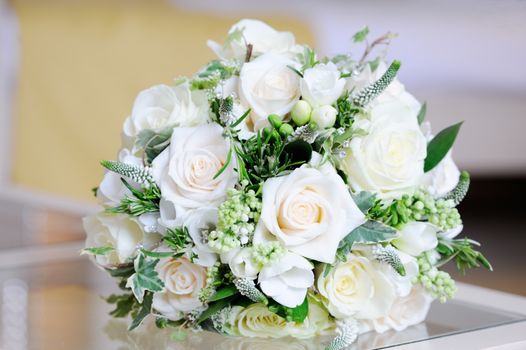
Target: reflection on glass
{"points": [[14, 314]]}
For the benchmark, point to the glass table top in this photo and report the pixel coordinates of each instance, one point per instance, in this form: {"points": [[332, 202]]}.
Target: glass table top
{"points": [[59, 305]]}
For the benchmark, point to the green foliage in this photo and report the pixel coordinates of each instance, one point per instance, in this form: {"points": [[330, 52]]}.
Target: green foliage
{"points": [[213, 308], [438, 147], [296, 314], [177, 239], [212, 74], [364, 200], [369, 232], [463, 252], [372, 91], [145, 277], [308, 59], [458, 194], [98, 250], [140, 202], [153, 142], [422, 114], [125, 304], [124, 271], [361, 35], [145, 310], [346, 112], [224, 292]]}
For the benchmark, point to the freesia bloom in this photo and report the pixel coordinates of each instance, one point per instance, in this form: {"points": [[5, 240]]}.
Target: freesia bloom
{"points": [[416, 238], [183, 280]]}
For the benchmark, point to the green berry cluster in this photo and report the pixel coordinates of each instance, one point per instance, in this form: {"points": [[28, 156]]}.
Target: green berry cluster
{"points": [[420, 206], [236, 220], [438, 283], [267, 253]]}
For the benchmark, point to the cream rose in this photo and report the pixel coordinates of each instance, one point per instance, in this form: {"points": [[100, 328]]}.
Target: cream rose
{"points": [[287, 280], [416, 238], [268, 86], [183, 281], [322, 85], [406, 311], [389, 160], [308, 209], [356, 288], [260, 35], [185, 170], [163, 106], [117, 231]]}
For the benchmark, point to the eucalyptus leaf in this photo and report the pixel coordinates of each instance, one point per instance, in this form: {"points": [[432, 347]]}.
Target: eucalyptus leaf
{"points": [[364, 200], [368, 232], [438, 147]]}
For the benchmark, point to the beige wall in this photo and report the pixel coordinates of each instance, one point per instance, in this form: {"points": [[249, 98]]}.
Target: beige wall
{"points": [[82, 64]]}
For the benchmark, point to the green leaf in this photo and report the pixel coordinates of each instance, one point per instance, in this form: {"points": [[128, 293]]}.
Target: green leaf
{"points": [[145, 277], [438, 147], [157, 255], [297, 151], [422, 113], [153, 142], [213, 308], [122, 271], [145, 311], [97, 250], [224, 293], [369, 232], [124, 304], [361, 35], [296, 314], [240, 119], [364, 200], [177, 239], [227, 162]]}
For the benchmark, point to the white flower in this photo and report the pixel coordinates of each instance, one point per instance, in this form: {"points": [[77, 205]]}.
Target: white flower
{"points": [[287, 280], [324, 116], [200, 223], [258, 321], [443, 177], [240, 262], [268, 86], [394, 92], [262, 37], [117, 231], [183, 281], [308, 209], [185, 170], [356, 288], [111, 190], [406, 311], [452, 233], [322, 85], [163, 106], [389, 160], [416, 238]]}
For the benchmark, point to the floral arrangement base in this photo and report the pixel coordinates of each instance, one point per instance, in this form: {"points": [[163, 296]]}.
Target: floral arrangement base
{"points": [[280, 194]]}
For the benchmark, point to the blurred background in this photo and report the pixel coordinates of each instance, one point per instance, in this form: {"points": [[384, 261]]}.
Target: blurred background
{"points": [[70, 70]]}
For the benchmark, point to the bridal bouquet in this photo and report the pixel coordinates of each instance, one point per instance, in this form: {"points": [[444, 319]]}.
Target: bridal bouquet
{"points": [[278, 193]]}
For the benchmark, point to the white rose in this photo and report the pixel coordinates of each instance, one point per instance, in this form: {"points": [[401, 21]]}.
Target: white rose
{"points": [[406, 311], [185, 170], [308, 209], [389, 160], [356, 288], [183, 281], [262, 37], [322, 85], [268, 86], [443, 177], [240, 262], [117, 231], [324, 116], [111, 190], [200, 223], [416, 238], [163, 106], [394, 92], [287, 280]]}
